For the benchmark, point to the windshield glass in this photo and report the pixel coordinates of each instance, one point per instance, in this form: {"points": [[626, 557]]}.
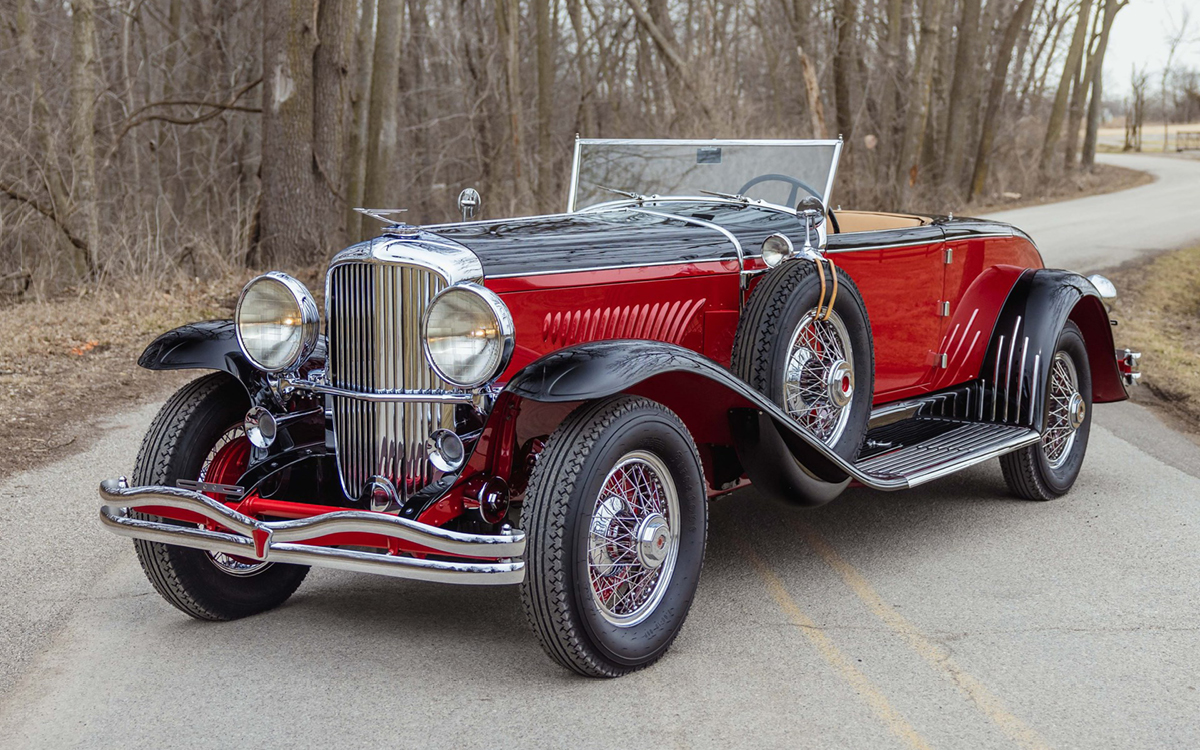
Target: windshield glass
{"points": [[779, 172]]}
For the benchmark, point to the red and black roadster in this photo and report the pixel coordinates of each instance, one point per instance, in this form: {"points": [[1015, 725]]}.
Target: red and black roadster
{"points": [[552, 401]]}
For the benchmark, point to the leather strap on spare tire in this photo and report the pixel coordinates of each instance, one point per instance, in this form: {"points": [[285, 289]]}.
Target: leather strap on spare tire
{"points": [[804, 341]]}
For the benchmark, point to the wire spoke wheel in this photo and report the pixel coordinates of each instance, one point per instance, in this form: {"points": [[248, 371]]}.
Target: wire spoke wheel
{"points": [[225, 464], [819, 377], [632, 539], [1065, 410]]}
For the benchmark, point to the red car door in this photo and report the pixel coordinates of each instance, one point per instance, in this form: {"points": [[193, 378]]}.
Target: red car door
{"points": [[900, 274]]}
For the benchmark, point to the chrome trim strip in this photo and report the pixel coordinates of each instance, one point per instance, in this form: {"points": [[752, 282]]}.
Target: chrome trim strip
{"points": [[574, 186], [1021, 379], [278, 541], [833, 168], [1012, 348], [381, 397], [562, 271], [892, 413], [702, 223]]}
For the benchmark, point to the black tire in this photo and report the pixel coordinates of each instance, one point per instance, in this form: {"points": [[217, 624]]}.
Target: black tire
{"points": [[1027, 472], [558, 517], [775, 309], [179, 439]]}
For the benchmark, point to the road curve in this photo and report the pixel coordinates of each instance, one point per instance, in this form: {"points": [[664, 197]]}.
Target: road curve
{"points": [[1100, 231], [952, 616]]}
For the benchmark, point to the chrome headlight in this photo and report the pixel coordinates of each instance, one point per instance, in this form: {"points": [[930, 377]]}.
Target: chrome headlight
{"points": [[468, 335], [776, 249], [277, 322]]}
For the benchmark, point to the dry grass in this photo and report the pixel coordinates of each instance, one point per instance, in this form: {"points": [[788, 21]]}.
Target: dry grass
{"points": [[65, 361], [1105, 178], [1159, 314]]}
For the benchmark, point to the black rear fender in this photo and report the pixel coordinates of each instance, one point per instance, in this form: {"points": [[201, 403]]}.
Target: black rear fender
{"points": [[1024, 339]]}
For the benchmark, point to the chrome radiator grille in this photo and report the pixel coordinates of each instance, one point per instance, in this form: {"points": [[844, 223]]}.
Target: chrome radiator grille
{"points": [[375, 345]]}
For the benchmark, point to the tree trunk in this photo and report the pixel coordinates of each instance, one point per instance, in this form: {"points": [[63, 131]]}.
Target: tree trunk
{"points": [[996, 96], [508, 20], [1070, 69], [545, 104], [918, 107], [83, 136], [797, 18], [356, 153], [383, 111], [1079, 91], [964, 93], [331, 97], [843, 65], [289, 235], [587, 84], [891, 101], [1088, 159]]}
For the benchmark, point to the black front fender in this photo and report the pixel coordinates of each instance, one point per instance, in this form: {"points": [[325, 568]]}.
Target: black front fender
{"points": [[209, 345], [779, 456]]}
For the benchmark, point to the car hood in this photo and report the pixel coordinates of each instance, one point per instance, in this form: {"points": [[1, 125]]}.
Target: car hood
{"points": [[588, 241]]}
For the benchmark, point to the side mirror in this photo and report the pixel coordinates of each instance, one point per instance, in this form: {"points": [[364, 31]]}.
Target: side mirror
{"points": [[469, 203], [811, 211]]}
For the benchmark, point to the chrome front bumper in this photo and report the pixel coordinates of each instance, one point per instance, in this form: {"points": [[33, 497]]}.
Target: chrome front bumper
{"points": [[282, 541]]}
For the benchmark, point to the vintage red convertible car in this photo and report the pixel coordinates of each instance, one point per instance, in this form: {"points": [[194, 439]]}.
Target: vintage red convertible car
{"points": [[551, 401]]}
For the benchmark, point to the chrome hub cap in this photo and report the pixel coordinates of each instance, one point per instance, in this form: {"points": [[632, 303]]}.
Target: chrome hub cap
{"points": [[631, 544], [841, 384], [654, 541], [819, 381], [1066, 410], [1077, 409]]}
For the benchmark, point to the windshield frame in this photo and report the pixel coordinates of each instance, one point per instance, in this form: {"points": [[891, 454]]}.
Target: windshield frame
{"points": [[836, 143]]}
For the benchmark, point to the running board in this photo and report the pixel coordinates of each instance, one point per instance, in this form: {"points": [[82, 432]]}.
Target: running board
{"points": [[966, 444]]}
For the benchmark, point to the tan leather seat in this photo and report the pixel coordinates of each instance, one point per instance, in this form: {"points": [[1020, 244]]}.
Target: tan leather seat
{"points": [[873, 221]]}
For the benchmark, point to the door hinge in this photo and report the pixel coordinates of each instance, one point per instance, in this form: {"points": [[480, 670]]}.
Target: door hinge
{"points": [[944, 309], [943, 361], [949, 255]]}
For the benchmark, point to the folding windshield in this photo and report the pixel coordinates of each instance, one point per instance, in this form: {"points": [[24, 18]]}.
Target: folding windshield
{"points": [[779, 172]]}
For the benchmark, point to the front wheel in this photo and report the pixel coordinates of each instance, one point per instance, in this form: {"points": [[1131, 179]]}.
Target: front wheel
{"points": [[198, 435], [616, 517]]}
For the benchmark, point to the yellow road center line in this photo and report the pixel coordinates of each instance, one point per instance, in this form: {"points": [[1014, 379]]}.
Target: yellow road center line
{"points": [[830, 652], [934, 653]]}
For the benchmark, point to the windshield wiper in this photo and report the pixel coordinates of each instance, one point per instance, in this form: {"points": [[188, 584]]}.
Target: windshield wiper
{"points": [[625, 193], [727, 196]]}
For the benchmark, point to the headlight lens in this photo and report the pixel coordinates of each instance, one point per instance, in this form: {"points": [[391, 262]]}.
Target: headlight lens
{"points": [[468, 335], [277, 322]]}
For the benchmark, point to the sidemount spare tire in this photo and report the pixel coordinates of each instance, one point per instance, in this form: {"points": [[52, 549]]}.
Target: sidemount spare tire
{"points": [[806, 344]]}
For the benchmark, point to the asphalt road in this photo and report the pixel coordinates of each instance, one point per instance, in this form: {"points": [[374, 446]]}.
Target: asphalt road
{"points": [[951, 616]]}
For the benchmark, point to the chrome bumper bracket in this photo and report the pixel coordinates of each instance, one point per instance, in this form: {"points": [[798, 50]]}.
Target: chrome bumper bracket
{"points": [[283, 541]]}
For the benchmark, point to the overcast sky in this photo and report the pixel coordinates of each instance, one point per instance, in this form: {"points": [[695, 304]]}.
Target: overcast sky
{"points": [[1138, 37]]}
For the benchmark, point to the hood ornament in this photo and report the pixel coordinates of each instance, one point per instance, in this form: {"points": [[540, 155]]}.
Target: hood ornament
{"points": [[391, 226]]}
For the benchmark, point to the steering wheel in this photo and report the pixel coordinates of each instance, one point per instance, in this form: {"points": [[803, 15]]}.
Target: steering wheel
{"points": [[796, 185]]}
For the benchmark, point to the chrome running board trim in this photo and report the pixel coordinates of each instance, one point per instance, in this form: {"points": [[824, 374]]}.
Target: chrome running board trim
{"points": [[280, 541], [949, 452]]}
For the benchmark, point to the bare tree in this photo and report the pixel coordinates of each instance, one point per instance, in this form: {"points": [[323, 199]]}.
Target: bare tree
{"points": [[83, 125], [1070, 71], [382, 129], [1175, 36], [963, 92], [918, 109], [995, 95], [1088, 158]]}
